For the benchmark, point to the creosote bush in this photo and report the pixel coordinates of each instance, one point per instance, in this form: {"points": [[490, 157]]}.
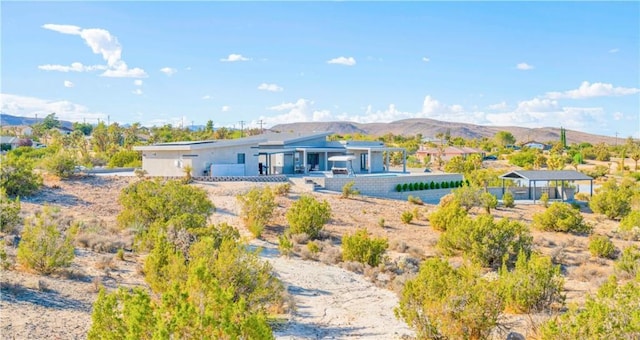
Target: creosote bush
{"points": [[415, 200], [561, 217], [406, 217], [348, 190], [44, 248], [17, 176], [630, 226], [535, 284], [507, 200], [257, 207], [362, 248], [544, 198], [629, 262], [9, 212], [485, 241], [449, 213], [601, 246], [612, 313], [443, 302], [308, 215], [613, 200]]}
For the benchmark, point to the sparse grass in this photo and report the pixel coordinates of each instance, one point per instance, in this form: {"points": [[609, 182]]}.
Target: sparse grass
{"points": [[406, 217]]}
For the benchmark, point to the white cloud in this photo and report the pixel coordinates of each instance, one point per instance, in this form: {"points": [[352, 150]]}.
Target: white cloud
{"points": [[618, 115], [101, 42], [30, 106], [74, 67], [225, 108], [137, 82], [206, 97], [68, 83], [168, 71], [537, 105], [499, 106], [425, 59], [588, 90], [270, 87], [614, 50], [524, 67], [342, 61], [235, 57], [137, 92]]}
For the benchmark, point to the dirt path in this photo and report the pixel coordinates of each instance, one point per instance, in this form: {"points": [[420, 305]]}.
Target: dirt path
{"points": [[332, 303]]}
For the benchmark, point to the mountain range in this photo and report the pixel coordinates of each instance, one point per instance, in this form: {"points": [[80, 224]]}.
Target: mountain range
{"points": [[430, 128]]}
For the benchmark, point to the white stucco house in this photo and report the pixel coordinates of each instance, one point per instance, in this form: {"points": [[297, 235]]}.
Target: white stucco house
{"points": [[272, 153]]}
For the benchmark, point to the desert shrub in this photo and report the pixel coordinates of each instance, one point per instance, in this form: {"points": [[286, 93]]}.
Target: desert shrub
{"points": [[468, 197], [507, 200], [120, 254], [348, 190], [283, 189], [486, 242], [285, 245], [544, 198], [488, 201], [612, 313], [313, 247], [630, 226], [415, 200], [17, 176], [581, 196], [613, 200], [561, 217], [308, 215], [9, 212], [164, 266], [125, 159], [534, 284], [122, 314], [446, 215], [362, 248], [629, 262], [154, 204], [443, 302], [43, 247], [601, 246], [257, 207], [61, 164], [381, 222], [406, 217]]}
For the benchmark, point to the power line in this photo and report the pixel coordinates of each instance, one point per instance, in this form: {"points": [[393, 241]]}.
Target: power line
{"points": [[261, 123]]}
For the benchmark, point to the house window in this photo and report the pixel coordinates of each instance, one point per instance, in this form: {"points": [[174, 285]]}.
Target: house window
{"points": [[364, 161], [241, 158]]}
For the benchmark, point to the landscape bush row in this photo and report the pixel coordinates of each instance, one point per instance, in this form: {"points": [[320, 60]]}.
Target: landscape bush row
{"points": [[430, 185]]}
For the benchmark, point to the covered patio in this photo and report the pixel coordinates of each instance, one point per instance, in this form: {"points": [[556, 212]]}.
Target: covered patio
{"points": [[532, 177]]}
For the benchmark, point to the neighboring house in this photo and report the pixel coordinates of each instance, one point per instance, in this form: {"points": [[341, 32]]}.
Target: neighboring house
{"points": [[8, 143], [273, 153], [63, 130], [447, 152], [536, 145]]}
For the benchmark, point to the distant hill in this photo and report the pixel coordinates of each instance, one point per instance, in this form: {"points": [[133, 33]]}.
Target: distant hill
{"points": [[9, 120], [430, 128]]}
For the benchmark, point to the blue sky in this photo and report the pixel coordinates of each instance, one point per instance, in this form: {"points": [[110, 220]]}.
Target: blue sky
{"points": [[571, 64]]}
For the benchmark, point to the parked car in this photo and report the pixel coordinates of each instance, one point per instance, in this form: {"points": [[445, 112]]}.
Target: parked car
{"points": [[490, 158], [427, 170]]}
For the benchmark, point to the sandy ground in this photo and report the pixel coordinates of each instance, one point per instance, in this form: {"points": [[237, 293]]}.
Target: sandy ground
{"points": [[329, 301]]}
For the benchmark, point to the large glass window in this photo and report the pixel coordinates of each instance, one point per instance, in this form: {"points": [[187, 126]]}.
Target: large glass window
{"points": [[241, 158]]}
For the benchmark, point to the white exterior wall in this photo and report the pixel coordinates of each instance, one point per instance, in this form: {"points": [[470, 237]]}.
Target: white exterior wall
{"points": [[162, 163]]}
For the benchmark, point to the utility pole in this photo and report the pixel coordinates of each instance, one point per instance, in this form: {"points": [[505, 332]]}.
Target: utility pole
{"points": [[108, 120], [616, 138], [261, 123], [242, 128]]}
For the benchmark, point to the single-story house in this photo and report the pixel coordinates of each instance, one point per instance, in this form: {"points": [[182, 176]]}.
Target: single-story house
{"points": [[272, 153], [8, 143], [533, 183], [447, 152], [536, 145]]}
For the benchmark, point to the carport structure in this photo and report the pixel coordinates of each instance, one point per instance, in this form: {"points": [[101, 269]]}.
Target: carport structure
{"points": [[534, 176]]}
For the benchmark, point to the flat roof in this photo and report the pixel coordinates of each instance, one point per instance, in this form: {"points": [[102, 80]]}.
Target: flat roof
{"points": [[547, 175]]}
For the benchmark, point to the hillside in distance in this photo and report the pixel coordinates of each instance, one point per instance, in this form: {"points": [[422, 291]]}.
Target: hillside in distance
{"points": [[429, 128]]}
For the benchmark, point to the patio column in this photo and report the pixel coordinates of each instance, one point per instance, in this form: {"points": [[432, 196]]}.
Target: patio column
{"points": [[404, 160], [369, 160], [304, 161], [387, 161], [326, 160]]}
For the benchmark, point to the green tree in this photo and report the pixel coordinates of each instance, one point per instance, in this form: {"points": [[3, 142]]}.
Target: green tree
{"points": [[488, 201], [257, 207], [448, 214], [507, 200], [308, 215], [85, 128], [123, 314], [447, 303], [43, 247], [125, 159], [504, 138], [362, 248]]}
